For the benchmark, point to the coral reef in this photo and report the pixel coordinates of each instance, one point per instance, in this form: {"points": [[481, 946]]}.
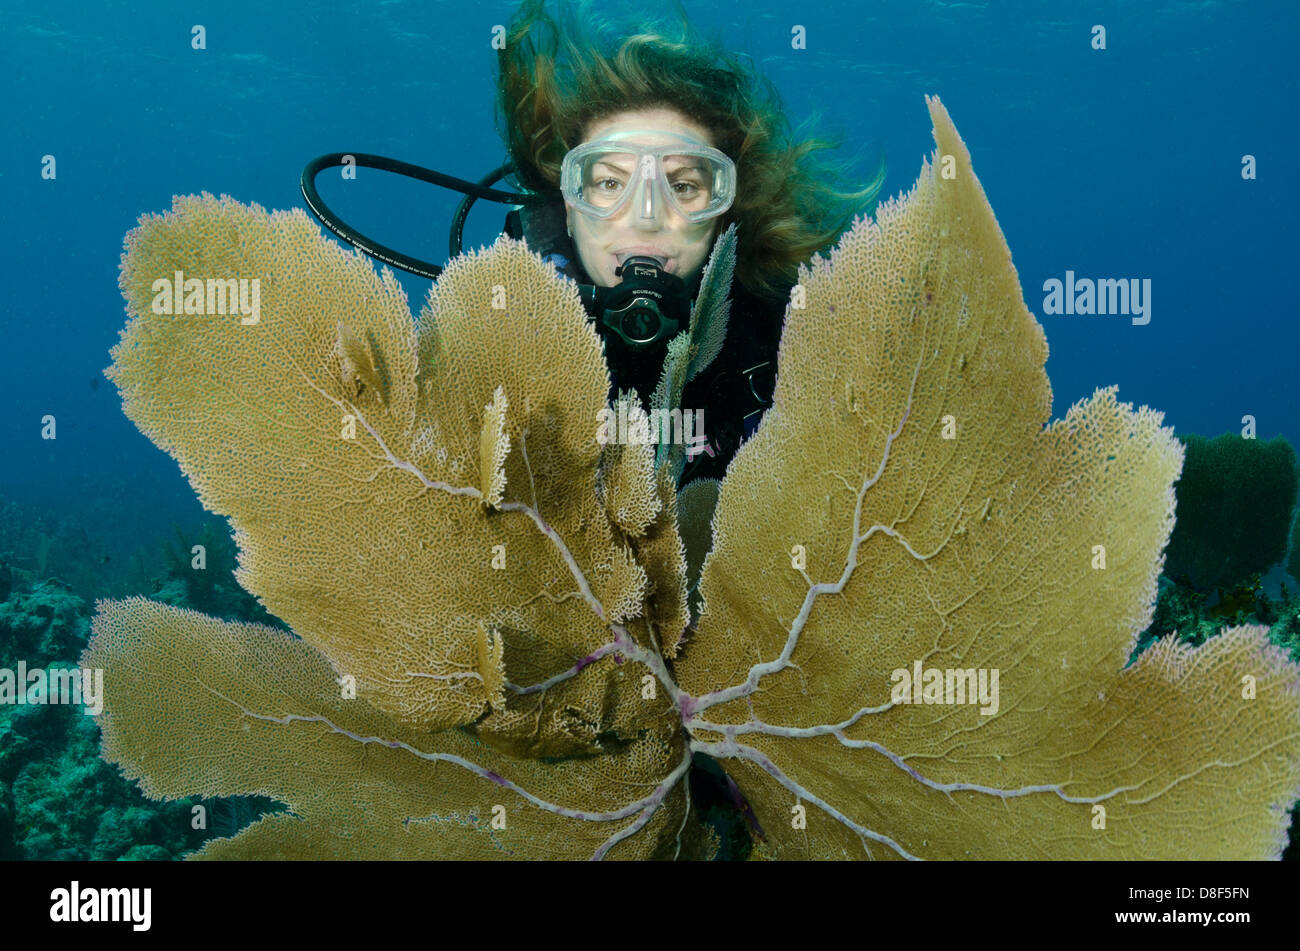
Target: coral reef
{"points": [[495, 652], [1235, 498], [58, 798], [92, 540], [37, 544]]}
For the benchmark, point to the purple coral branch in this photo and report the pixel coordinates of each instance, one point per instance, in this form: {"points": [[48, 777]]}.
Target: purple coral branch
{"points": [[949, 788], [388, 454], [622, 646], [646, 814], [650, 805], [686, 813]]}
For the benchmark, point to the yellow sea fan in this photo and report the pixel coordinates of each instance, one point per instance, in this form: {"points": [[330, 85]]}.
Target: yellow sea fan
{"points": [[349, 530], [902, 504], [905, 508]]}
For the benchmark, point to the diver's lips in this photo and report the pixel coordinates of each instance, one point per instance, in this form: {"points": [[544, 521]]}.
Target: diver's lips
{"points": [[669, 264]]}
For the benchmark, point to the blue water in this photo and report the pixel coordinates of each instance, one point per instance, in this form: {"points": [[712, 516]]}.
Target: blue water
{"points": [[1117, 163]]}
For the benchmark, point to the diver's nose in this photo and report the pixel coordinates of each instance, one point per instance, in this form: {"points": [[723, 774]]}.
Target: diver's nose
{"points": [[652, 223]]}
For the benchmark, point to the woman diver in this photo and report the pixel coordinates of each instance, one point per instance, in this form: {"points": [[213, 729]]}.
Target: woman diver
{"points": [[651, 152], [630, 165]]}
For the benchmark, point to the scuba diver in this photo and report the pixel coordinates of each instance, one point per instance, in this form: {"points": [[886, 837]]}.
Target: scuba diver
{"points": [[629, 166]]}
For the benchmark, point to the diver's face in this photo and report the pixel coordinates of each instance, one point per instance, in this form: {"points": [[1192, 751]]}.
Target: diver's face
{"points": [[602, 244]]}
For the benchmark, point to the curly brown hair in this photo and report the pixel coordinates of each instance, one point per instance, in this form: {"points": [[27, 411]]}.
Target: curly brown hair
{"points": [[554, 82]]}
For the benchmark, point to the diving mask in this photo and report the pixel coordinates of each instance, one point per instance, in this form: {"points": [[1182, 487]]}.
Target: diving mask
{"points": [[603, 177]]}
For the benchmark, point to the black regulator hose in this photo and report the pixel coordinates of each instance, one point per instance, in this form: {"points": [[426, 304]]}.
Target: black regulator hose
{"points": [[472, 191]]}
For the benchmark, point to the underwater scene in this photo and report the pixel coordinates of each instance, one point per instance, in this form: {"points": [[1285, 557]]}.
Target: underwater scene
{"points": [[566, 430]]}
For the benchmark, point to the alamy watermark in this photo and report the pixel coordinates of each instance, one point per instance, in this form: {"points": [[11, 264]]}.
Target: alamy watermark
{"points": [[660, 426], [58, 686], [214, 296], [1102, 297], [947, 685], [80, 904]]}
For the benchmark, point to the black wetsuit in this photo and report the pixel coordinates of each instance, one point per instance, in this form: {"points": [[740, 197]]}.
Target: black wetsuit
{"points": [[736, 389]]}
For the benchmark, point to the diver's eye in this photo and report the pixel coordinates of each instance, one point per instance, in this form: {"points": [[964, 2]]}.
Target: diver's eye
{"points": [[604, 191], [690, 195]]}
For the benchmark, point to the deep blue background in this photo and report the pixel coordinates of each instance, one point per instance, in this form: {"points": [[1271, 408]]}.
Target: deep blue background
{"points": [[1122, 163]]}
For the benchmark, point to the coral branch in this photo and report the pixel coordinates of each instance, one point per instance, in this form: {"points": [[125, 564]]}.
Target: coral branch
{"points": [[758, 671], [647, 803]]}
